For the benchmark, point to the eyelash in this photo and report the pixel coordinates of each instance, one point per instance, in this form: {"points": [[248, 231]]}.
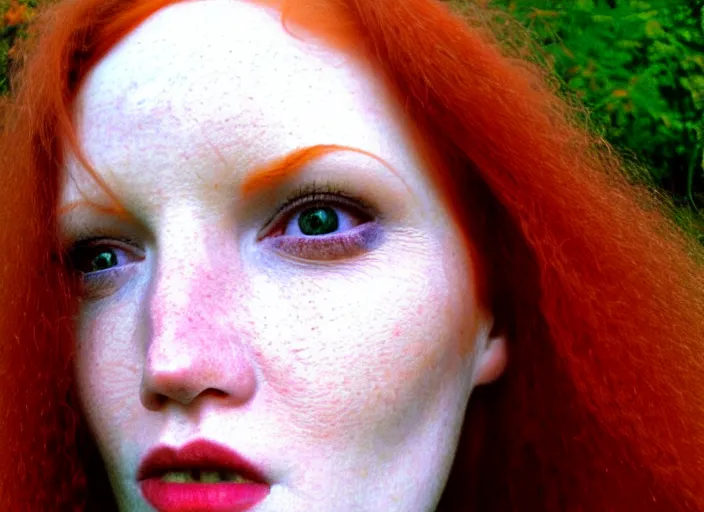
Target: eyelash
{"points": [[310, 195], [315, 194], [326, 247]]}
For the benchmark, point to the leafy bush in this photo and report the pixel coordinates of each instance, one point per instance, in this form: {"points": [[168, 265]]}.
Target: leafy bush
{"points": [[13, 26], [638, 66]]}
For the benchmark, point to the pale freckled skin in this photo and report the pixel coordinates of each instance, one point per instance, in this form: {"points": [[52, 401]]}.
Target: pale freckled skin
{"points": [[347, 380]]}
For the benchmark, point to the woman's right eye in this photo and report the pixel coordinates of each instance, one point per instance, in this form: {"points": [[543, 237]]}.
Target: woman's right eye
{"points": [[103, 265], [100, 256]]}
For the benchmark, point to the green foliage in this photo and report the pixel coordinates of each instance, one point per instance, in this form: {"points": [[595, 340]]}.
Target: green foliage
{"points": [[13, 27], [638, 66]]}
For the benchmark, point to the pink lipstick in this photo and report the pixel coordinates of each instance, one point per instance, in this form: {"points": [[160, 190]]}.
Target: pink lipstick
{"points": [[200, 477]]}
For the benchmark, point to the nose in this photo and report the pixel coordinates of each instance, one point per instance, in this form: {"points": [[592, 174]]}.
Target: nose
{"points": [[194, 347], [185, 375]]}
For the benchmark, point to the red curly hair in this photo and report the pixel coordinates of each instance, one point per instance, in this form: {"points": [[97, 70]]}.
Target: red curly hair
{"points": [[601, 406]]}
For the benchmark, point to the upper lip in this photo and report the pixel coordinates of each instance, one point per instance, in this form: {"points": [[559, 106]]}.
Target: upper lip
{"points": [[199, 454]]}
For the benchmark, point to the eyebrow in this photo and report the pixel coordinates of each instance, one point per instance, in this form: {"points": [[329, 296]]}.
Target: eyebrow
{"points": [[102, 208], [264, 177], [277, 171]]}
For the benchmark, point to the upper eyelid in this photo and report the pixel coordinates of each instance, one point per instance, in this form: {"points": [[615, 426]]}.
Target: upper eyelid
{"points": [[86, 231], [94, 240], [291, 207], [323, 190]]}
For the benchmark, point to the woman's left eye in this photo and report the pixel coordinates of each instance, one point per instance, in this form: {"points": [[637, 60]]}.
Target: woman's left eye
{"points": [[323, 226], [319, 220]]}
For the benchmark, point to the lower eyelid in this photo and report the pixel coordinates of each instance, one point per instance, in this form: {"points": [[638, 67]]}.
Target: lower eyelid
{"points": [[358, 240], [98, 285]]}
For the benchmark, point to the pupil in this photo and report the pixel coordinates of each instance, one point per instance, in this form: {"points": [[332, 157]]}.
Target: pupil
{"points": [[103, 261], [318, 221]]}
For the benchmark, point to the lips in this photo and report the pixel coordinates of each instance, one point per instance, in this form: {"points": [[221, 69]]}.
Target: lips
{"points": [[201, 476]]}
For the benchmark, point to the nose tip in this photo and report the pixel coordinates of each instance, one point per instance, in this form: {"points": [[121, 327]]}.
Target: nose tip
{"points": [[234, 383]]}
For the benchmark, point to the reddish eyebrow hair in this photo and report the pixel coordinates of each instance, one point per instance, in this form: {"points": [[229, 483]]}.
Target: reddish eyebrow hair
{"points": [[264, 177], [102, 208], [277, 171]]}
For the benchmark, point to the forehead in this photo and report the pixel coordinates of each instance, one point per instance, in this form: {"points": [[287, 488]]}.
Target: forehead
{"points": [[221, 80]]}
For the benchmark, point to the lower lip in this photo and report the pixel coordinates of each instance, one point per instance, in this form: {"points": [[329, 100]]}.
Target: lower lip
{"points": [[195, 497]]}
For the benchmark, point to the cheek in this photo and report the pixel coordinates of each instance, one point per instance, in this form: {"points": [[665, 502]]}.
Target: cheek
{"points": [[107, 370], [349, 363]]}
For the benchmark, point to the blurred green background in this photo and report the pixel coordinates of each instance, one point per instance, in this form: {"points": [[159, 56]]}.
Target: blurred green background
{"points": [[637, 65]]}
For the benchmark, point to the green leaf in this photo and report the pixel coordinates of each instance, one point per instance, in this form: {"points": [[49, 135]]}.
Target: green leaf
{"points": [[628, 44], [653, 29]]}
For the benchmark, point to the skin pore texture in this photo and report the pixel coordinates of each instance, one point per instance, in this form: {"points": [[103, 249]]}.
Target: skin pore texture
{"points": [[342, 366]]}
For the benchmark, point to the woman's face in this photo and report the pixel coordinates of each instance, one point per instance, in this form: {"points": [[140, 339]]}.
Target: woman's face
{"points": [[334, 343]]}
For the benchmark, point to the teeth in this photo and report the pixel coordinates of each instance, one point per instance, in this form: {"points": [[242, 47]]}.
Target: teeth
{"points": [[210, 477], [231, 476], [203, 476], [177, 477]]}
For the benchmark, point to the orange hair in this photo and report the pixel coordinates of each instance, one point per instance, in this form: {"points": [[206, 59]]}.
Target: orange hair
{"points": [[602, 404]]}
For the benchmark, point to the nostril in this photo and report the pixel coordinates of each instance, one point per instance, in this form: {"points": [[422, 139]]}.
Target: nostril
{"points": [[217, 393], [185, 380], [153, 401]]}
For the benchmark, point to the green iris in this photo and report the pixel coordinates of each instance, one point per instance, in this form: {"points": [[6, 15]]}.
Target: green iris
{"points": [[103, 261], [318, 221]]}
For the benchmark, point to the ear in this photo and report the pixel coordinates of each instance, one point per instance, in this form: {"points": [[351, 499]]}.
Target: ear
{"points": [[492, 359]]}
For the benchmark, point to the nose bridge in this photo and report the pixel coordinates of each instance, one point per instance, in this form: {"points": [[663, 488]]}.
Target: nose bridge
{"points": [[192, 346], [182, 289]]}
